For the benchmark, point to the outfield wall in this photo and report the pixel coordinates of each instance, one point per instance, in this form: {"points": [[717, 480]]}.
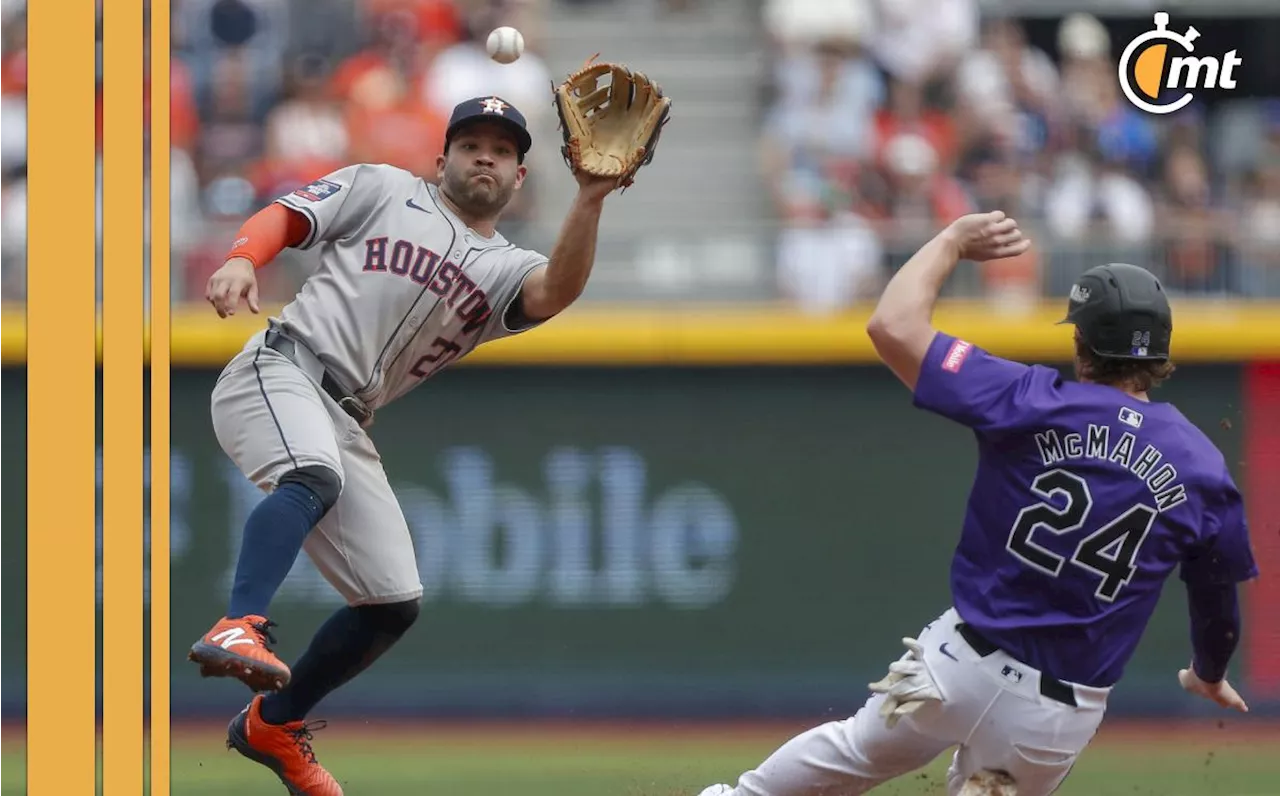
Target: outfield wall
{"points": [[736, 541]]}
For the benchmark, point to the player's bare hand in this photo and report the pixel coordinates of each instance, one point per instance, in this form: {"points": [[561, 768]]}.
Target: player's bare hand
{"points": [[233, 282], [987, 236], [1220, 693], [593, 187]]}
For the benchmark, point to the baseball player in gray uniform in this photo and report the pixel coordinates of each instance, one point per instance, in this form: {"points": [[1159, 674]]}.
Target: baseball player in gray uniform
{"points": [[412, 276]]}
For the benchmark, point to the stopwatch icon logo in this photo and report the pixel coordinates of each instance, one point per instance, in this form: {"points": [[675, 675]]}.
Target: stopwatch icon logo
{"points": [[1147, 67]]}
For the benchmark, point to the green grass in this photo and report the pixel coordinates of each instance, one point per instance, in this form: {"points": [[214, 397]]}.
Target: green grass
{"points": [[653, 762]]}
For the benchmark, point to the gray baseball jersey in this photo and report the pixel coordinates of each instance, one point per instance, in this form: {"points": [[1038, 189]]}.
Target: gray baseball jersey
{"points": [[402, 290], [404, 287]]}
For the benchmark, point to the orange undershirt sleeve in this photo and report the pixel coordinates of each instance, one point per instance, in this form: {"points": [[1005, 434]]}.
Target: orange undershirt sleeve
{"points": [[268, 232]]}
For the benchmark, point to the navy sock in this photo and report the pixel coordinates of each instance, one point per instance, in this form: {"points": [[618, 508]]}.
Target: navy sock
{"points": [[273, 537], [345, 645]]}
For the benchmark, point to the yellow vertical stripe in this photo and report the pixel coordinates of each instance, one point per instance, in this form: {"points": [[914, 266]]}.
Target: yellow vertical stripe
{"points": [[122, 341], [61, 743], [160, 398]]}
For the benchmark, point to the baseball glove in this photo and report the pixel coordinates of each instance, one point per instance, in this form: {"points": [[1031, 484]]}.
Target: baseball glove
{"points": [[610, 130]]}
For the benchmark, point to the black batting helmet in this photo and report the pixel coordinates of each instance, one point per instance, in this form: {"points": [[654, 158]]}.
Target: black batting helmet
{"points": [[1121, 312]]}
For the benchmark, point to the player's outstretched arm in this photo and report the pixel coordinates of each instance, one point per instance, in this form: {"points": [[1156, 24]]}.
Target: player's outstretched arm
{"points": [[901, 328], [260, 239], [548, 291]]}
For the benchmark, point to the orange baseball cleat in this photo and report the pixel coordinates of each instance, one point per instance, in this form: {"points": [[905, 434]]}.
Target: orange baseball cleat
{"points": [[239, 648], [283, 748]]}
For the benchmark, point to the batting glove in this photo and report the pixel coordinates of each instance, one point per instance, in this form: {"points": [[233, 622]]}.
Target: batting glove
{"points": [[908, 685]]}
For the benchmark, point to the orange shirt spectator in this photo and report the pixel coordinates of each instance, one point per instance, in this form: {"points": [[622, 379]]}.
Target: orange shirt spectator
{"points": [[387, 123], [431, 20], [184, 118], [13, 54], [905, 113], [407, 35], [13, 72], [355, 69], [306, 135]]}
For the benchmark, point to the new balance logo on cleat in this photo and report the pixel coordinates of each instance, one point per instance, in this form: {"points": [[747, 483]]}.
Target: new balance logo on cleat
{"points": [[230, 638], [239, 648]]}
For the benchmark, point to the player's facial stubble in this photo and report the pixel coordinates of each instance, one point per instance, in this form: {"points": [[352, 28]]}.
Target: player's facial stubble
{"points": [[477, 197], [462, 178]]}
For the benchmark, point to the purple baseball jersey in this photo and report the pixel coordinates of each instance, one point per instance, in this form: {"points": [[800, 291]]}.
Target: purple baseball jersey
{"points": [[1084, 500]]}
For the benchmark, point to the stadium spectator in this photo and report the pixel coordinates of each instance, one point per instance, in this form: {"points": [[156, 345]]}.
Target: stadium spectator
{"points": [[916, 192], [1098, 185], [885, 118], [184, 117], [402, 38], [816, 137], [13, 136], [906, 113], [252, 33], [13, 239], [990, 169], [1084, 52], [387, 122], [1007, 87], [465, 70], [231, 137], [920, 41], [829, 256], [1260, 226], [820, 125], [306, 135], [1090, 196], [335, 28], [1192, 227], [795, 24], [13, 60]]}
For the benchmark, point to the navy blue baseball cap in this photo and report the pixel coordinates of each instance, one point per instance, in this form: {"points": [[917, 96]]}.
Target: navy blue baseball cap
{"points": [[492, 109]]}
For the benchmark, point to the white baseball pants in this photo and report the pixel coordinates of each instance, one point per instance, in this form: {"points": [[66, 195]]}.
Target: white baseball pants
{"points": [[992, 710]]}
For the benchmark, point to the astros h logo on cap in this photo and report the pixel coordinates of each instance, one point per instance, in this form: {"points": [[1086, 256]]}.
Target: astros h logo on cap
{"points": [[1158, 81]]}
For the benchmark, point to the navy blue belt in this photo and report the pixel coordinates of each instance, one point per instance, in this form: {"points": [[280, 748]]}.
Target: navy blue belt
{"points": [[1050, 687], [277, 340]]}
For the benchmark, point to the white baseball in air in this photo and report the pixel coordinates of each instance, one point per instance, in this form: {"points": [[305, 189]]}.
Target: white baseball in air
{"points": [[505, 44]]}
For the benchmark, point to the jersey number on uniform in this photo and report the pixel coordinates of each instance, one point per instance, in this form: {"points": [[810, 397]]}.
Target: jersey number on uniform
{"points": [[1108, 552], [443, 352]]}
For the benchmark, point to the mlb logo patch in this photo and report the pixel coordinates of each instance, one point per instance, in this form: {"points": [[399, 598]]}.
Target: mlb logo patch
{"points": [[1130, 417], [1012, 674], [956, 356], [320, 189]]}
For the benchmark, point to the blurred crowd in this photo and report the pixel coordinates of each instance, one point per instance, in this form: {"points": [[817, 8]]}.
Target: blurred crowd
{"points": [[883, 119], [279, 92], [13, 149], [889, 117], [270, 94]]}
